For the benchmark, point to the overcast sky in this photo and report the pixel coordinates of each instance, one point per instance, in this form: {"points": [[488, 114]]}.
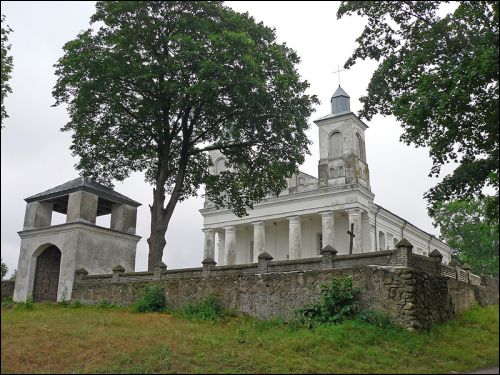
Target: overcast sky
{"points": [[36, 155]]}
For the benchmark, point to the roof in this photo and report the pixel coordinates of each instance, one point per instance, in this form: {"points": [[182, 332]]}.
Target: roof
{"points": [[332, 115], [83, 184], [340, 92]]}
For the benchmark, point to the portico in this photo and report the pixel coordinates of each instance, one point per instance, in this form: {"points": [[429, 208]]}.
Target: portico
{"points": [[288, 237]]}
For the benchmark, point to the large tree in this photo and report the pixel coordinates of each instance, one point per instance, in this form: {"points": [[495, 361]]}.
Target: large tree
{"points": [[6, 66], [158, 84], [473, 238], [438, 75]]}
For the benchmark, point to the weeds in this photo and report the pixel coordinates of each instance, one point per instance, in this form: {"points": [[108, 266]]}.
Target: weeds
{"points": [[153, 301]]}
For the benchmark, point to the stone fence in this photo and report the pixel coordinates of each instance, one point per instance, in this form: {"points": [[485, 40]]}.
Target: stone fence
{"points": [[413, 290], [402, 257]]}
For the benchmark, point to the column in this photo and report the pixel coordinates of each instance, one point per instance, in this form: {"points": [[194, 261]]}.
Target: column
{"points": [[221, 248], [230, 245], [327, 229], [123, 218], [355, 218], [82, 205], [259, 239], [294, 237], [38, 214], [209, 244]]}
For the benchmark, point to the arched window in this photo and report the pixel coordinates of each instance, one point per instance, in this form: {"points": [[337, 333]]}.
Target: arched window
{"points": [[336, 145], [359, 147], [219, 165]]}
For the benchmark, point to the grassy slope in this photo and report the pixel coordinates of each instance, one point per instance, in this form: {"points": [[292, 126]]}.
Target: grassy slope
{"points": [[54, 338]]}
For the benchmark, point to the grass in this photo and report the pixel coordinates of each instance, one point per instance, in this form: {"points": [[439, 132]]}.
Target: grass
{"points": [[90, 339]]}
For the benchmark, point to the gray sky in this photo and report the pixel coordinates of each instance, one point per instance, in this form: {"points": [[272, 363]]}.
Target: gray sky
{"points": [[36, 155]]}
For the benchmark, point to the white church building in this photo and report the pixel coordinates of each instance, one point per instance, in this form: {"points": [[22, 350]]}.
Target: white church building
{"points": [[314, 212]]}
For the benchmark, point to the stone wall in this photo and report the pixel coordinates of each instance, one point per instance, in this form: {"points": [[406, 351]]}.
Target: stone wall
{"points": [[7, 289], [410, 298], [414, 291]]}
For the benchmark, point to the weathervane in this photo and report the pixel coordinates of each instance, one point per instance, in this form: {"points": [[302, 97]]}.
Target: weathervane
{"points": [[338, 72]]}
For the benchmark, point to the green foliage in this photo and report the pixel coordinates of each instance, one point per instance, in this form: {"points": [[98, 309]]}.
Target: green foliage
{"points": [[438, 75], [338, 302], [6, 66], [28, 305], [158, 84], [5, 269], [153, 300], [75, 304], [472, 236], [376, 318], [103, 304], [7, 301], [208, 309]]}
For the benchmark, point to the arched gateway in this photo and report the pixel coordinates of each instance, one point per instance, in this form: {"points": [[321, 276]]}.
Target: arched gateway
{"points": [[47, 270]]}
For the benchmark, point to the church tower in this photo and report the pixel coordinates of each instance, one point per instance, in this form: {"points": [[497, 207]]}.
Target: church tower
{"points": [[342, 145]]}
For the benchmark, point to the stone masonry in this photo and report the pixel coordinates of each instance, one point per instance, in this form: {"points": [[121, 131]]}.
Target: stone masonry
{"points": [[414, 291]]}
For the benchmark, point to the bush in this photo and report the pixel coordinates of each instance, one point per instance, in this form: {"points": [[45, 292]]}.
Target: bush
{"points": [[153, 301], [338, 302], [208, 309]]}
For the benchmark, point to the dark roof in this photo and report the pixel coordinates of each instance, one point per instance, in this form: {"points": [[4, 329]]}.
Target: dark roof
{"points": [[340, 92], [83, 184]]}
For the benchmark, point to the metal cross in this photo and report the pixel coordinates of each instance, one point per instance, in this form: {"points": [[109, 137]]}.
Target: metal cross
{"points": [[351, 237], [338, 72]]}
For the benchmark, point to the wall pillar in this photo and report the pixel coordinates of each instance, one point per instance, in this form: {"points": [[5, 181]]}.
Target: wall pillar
{"points": [[209, 244], [294, 237], [123, 218], [259, 239], [327, 229], [82, 205], [221, 247], [38, 214], [230, 245], [355, 218]]}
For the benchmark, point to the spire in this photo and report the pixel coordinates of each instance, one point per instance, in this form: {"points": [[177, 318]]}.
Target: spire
{"points": [[340, 102]]}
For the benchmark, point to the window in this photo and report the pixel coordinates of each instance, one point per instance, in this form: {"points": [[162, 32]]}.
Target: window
{"points": [[336, 145]]}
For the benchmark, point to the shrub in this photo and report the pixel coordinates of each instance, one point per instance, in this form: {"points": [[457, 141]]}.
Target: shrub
{"points": [[153, 301], [76, 304], [338, 302], [208, 309]]}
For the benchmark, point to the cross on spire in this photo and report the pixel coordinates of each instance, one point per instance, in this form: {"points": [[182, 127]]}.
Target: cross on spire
{"points": [[338, 72]]}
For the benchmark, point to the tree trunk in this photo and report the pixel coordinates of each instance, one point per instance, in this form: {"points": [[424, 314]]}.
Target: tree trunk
{"points": [[159, 226], [160, 217]]}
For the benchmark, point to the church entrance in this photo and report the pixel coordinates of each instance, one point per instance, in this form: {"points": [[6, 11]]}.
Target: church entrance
{"points": [[47, 275]]}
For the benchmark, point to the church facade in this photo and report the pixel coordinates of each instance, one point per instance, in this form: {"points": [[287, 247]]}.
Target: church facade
{"points": [[335, 209]]}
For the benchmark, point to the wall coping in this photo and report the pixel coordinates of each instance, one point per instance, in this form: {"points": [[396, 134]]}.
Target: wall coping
{"points": [[75, 226]]}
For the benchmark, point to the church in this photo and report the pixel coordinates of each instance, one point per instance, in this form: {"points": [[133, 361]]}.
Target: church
{"points": [[335, 209]]}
